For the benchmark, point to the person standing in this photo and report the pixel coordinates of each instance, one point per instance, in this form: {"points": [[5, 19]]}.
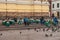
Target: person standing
{"points": [[26, 21], [55, 21], [42, 21]]}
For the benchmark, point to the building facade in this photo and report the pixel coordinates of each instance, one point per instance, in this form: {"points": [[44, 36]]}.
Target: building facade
{"points": [[24, 8], [56, 7]]}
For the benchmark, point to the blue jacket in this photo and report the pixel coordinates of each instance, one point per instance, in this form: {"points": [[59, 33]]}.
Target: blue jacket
{"points": [[55, 20], [25, 19], [42, 21]]}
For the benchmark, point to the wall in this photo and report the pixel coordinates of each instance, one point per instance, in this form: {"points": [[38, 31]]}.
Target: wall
{"points": [[55, 9], [24, 9]]}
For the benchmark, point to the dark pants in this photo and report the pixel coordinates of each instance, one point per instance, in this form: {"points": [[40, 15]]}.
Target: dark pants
{"points": [[26, 23]]}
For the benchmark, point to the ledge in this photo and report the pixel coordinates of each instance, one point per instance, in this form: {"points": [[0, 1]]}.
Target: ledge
{"points": [[26, 2]]}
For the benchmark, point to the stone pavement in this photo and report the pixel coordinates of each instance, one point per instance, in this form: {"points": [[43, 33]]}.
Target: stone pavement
{"points": [[28, 35]]}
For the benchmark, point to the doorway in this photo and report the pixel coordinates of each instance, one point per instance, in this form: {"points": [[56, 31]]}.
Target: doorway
{"points": [[58, 14]]}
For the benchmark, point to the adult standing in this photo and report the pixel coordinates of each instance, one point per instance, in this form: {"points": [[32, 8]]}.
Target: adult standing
{"points": [[26, 21]]}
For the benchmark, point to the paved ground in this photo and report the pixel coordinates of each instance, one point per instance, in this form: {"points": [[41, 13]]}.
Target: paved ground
{"points": [[28, 35]]}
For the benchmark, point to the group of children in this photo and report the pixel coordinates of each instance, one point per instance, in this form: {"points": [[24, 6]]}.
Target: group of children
{"points": [[27, 21]]}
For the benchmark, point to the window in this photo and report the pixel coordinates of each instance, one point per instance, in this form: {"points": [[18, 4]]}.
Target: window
{"points": [[53, 5], [58, 14], [57, 5]]}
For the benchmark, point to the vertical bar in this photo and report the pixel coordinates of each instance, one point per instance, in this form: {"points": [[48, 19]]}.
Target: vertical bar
{"points": [[16, 8], [50, 1], [41, 7], [6, 9], [33, 8]]}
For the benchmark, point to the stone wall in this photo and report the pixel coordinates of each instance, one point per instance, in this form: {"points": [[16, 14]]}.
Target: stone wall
{"points": [[22, 14]]}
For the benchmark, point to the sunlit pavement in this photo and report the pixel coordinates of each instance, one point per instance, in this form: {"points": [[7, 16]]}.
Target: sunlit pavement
{"points": [[28, 35]]}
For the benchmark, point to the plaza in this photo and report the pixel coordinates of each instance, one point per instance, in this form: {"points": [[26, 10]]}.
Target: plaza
{"points": [[28, 35]]}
